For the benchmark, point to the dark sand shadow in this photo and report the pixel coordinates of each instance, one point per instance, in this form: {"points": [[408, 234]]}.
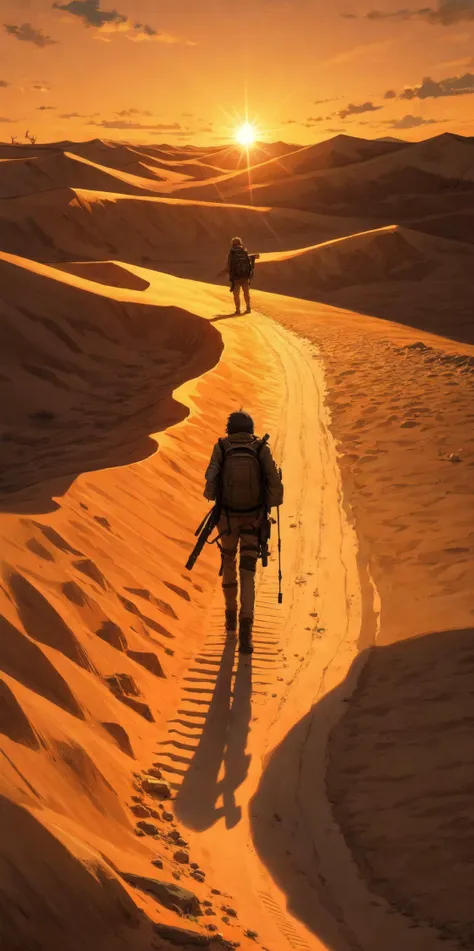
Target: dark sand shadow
{"points": [[391, 762], [222, 744]]}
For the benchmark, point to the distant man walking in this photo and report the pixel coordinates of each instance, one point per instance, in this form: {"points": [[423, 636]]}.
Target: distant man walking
{"points": [[240, 269], [242, 474]]}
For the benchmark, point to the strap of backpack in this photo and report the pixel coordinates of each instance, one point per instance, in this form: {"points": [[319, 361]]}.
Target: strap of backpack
{"points": [[263, 442]]}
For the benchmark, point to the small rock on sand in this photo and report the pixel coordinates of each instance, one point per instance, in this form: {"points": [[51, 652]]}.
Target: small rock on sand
{"points": [[157, 787], [149, 828], [140, 811], [181, 856]]}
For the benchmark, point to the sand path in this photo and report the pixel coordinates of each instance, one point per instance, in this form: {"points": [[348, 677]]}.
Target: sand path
{"points": [[245, 740], [233, 713], [246, 748]]}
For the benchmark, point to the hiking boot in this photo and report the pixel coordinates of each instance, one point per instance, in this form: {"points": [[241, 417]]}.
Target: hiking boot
{"points": [[231, 621], [237, 313], [249, 310], [245, 635]]}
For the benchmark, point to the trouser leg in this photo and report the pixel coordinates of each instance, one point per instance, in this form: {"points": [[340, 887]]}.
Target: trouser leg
{"points": [[246, 290], [247, 568], [229, 544], [237, 295]]}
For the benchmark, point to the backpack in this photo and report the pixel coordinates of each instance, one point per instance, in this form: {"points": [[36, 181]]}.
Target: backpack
{"points": [[241, 266], [241, 476]]}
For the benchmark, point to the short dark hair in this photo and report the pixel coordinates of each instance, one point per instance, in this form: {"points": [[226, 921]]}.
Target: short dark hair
{"points": [[240, 422]]}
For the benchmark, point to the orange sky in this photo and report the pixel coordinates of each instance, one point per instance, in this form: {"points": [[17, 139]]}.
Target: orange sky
{"points": [[142, 71]]}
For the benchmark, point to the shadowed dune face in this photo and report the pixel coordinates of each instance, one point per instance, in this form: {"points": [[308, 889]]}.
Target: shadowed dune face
{"points": [[85, 890], [400, 778], [399, 784], [186, 238], [93, 376], [395, 273]]}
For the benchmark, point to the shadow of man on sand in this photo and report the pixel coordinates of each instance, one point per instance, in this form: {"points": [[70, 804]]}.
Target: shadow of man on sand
{"points": [[221, 748]]}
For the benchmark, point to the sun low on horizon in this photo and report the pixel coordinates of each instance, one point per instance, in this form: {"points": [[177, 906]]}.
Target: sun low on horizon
{"points": [[246, 135]]}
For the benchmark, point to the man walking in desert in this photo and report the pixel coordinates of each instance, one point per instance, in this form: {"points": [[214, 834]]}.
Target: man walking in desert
{"points": [[240, 268], [242, 474]]}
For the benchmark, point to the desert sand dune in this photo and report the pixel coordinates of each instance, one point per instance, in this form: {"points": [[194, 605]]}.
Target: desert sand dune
{"points": [[268, 170], [418, 179], [312, 786], [61, 169], [188, 238], [76, 384], [392, 272]]}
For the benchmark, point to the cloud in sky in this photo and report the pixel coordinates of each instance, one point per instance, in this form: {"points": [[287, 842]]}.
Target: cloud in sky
{"points": [[128, 125], [390, 94], [3, 84], [45, 108], [448, 13], [322, 102], [41, 87], [356, 110], [27, 34], [373, 51], [90, 13], [412, 122], [430, 89], [128, 113], [77, 115], [3, 119]]}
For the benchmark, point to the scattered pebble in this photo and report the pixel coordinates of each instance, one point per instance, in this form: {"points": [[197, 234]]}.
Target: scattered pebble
{"points": [[454, 457], [168, 816], [140, 811], [149, 828], [251, 934], [157, 863], [181, 856], [229, 911]]}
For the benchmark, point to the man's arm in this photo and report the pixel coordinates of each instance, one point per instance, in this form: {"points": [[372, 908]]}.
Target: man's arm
{"points": [[212, 474], [273, 482]]}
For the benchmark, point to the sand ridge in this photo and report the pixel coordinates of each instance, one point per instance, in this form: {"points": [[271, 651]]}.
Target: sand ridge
{"points": [[115, 673]]}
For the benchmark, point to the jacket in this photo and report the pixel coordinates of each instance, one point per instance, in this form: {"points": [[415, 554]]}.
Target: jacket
{"points": [[271, 475]]}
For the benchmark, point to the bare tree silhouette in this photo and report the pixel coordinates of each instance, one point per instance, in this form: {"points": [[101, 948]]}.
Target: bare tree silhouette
{"points": [[13, 140], [31, 138]]}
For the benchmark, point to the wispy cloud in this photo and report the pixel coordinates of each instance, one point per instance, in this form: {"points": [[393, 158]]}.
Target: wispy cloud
{"points": [[322, 102], [77, 115], [90, 13], [27, 34], [447, 13], [356, 110], [373, 51], [3, 84], [128, 113], [45, 108], [412, 122], [390, 94], [430, 89], [128, 125], [4, 119], [41, 87]]}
